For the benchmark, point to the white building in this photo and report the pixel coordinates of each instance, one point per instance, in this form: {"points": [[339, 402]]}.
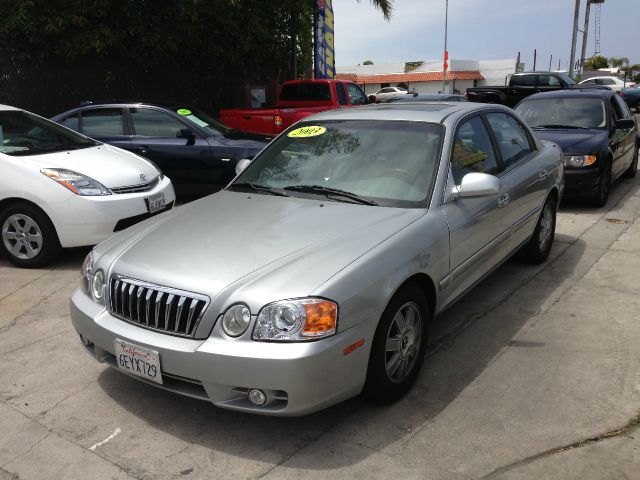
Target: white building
{"points": [[428, 76]]}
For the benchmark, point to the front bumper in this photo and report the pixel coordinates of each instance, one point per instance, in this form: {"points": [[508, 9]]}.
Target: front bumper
{"points": [[581, 183], [81, 221], [299, 378]]}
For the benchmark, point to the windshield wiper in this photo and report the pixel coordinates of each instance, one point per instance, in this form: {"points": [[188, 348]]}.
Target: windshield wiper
{"points": [[331, 193], [560, 126], [257, 188]]}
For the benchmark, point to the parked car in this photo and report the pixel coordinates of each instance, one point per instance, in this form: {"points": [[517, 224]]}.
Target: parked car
{"points": [[388, 93], [61, 189], [427, 97], [317, 272], [520, 86], [614, 83], [196, 151], [632, 97], [597, 132], [297, 99]]}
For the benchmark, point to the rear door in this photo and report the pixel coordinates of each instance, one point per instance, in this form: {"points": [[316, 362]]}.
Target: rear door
{"points": [[105, 124], [521, 86]]}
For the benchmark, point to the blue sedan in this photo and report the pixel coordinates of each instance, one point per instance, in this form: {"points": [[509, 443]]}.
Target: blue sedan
{"points": [[196, 151]]}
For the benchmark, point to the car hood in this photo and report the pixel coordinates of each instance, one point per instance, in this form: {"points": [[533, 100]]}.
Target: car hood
{"points": [[575, 141], [109, 165], [233, 240], [251, 142]]}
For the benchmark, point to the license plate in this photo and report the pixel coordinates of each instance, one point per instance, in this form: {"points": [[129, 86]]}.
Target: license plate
{"points": [[155, 203], [138, 361]]}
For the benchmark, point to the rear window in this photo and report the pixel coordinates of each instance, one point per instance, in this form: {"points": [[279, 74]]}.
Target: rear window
{"points": [[300, 92], [523, 81]]}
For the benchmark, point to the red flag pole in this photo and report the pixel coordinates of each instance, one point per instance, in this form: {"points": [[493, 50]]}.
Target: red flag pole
{"points": [[446, 54]]}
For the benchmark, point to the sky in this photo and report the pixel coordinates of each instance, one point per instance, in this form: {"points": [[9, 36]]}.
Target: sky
{"points": [[481, 30]]}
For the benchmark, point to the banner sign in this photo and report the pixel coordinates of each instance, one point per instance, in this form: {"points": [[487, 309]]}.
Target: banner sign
{"points": [[324, 61]]}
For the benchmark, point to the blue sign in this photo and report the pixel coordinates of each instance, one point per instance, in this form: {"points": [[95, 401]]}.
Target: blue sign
{"points": [[324, 61]]}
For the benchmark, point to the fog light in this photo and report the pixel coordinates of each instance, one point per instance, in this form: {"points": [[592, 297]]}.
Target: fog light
{"points": [[257, 397]]}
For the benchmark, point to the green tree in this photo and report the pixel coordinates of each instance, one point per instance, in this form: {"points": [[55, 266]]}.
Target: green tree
{"points": [[596, 62], [367, 62], [618, 62]]}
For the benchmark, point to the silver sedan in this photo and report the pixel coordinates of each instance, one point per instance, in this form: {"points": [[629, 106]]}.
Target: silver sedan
{"points": [[315, 274]]}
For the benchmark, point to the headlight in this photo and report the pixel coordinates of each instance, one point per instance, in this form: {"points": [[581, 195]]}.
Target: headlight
{"points": [[236, 320], [160, 174], [76, 182], [93, 283], [297, 320], [577, 161]]}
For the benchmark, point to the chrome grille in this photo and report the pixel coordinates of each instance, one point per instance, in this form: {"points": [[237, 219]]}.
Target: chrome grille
{"points": [[143, 187], [163, 309]]}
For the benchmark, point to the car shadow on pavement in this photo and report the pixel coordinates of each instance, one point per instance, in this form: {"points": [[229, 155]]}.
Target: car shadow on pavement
{"points": [[464, 340]]}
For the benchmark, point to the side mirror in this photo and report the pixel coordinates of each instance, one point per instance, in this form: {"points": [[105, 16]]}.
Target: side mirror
{"points": [[241, 165], [477, 184], [625, 123], [185, 133]]}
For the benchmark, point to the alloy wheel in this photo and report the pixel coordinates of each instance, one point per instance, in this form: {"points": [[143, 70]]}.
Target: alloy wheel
{"points": [[403, 342], [22, 236]]}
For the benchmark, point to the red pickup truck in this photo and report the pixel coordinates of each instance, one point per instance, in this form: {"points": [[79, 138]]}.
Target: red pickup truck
{"points": [[297, 99]]}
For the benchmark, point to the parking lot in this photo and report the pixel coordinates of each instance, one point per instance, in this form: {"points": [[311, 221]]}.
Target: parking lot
{"points": [[533, 375]]}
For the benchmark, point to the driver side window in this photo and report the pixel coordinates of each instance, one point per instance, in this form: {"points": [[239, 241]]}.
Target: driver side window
{"points": [[153, 123], [472, 150], [356, 97]]}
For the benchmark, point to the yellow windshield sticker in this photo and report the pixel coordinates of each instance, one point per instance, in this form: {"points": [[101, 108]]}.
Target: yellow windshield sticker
{"points": [[304, 132], [184, 111]]}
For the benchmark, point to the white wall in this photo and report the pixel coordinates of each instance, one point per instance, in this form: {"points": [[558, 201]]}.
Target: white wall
{"points": [[495, 71]]}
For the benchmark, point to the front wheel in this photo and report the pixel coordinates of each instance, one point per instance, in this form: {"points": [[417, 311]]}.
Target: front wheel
{"points": [[28, 238], [399, 345], [633, 168], [539, 246]]}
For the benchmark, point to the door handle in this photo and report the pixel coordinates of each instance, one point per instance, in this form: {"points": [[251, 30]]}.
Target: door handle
{"points": [[143, 149], [503, 200], [542, 174]]}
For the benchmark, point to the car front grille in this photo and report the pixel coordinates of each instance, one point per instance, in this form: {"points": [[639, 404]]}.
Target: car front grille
{"points": [[143, 187], [163, 309]]}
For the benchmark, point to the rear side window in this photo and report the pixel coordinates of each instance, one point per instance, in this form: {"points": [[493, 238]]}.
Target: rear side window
{"points": [[472, 150], [71, 122], [356, 97], [102, 122], [523, 81], [511, 136], [342, 96], [300, 92], [548, 81]]}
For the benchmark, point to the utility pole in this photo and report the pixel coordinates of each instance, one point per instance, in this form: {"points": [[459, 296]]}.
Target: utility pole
{"points": [[535, 58], [585, 36], [574, 37], [446, 54], [550, 60]]}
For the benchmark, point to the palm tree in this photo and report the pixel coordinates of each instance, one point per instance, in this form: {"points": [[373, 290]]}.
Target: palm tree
{"points": [[385, 6]]}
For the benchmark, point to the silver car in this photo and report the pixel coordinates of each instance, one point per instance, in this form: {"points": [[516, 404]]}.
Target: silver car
{"points": [[315, 274]]}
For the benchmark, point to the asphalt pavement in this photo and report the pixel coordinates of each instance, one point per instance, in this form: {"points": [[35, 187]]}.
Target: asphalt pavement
{"points": [[534, 374]]}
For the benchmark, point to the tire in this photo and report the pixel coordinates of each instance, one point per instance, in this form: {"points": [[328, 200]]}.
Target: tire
{"points": [[28, 239], [633, 168], [602, 195], [391, 373], [539, 245]]}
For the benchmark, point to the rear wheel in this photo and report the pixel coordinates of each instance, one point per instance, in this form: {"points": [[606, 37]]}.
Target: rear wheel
{"points": [[633, 168], [28, 238], [398, 346], [539, 246]]}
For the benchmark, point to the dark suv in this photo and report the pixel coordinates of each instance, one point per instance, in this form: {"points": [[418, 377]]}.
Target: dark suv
{"points": [[197, 152], [597, 133]]}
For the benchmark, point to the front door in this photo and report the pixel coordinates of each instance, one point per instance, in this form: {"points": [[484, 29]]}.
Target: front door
{"points": [[186, 161]]}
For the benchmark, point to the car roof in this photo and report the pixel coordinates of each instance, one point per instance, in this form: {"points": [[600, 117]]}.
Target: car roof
{"points": [[574, 93], [122, 103], [8, 107], [602, 76], [433, 112]]}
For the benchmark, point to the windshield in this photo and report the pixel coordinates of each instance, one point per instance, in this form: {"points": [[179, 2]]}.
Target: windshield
{"points": [[390, 163], [22, 133], [564, 112], [203, 120]]}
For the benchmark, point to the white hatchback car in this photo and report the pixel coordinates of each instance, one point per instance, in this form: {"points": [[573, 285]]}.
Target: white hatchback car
{"points": [[614, 83], [60, 189]]}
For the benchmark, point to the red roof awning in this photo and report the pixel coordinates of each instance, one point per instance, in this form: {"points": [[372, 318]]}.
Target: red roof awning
{"points": [[411, 77]]}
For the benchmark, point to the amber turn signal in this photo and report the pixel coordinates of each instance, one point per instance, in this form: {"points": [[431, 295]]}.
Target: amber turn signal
{"points": [[322, 317]]}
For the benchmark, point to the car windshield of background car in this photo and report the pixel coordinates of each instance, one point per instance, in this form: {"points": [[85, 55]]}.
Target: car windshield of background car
{"points": [[392, 163], [22, 133], [203, 120], [569, 112]]}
